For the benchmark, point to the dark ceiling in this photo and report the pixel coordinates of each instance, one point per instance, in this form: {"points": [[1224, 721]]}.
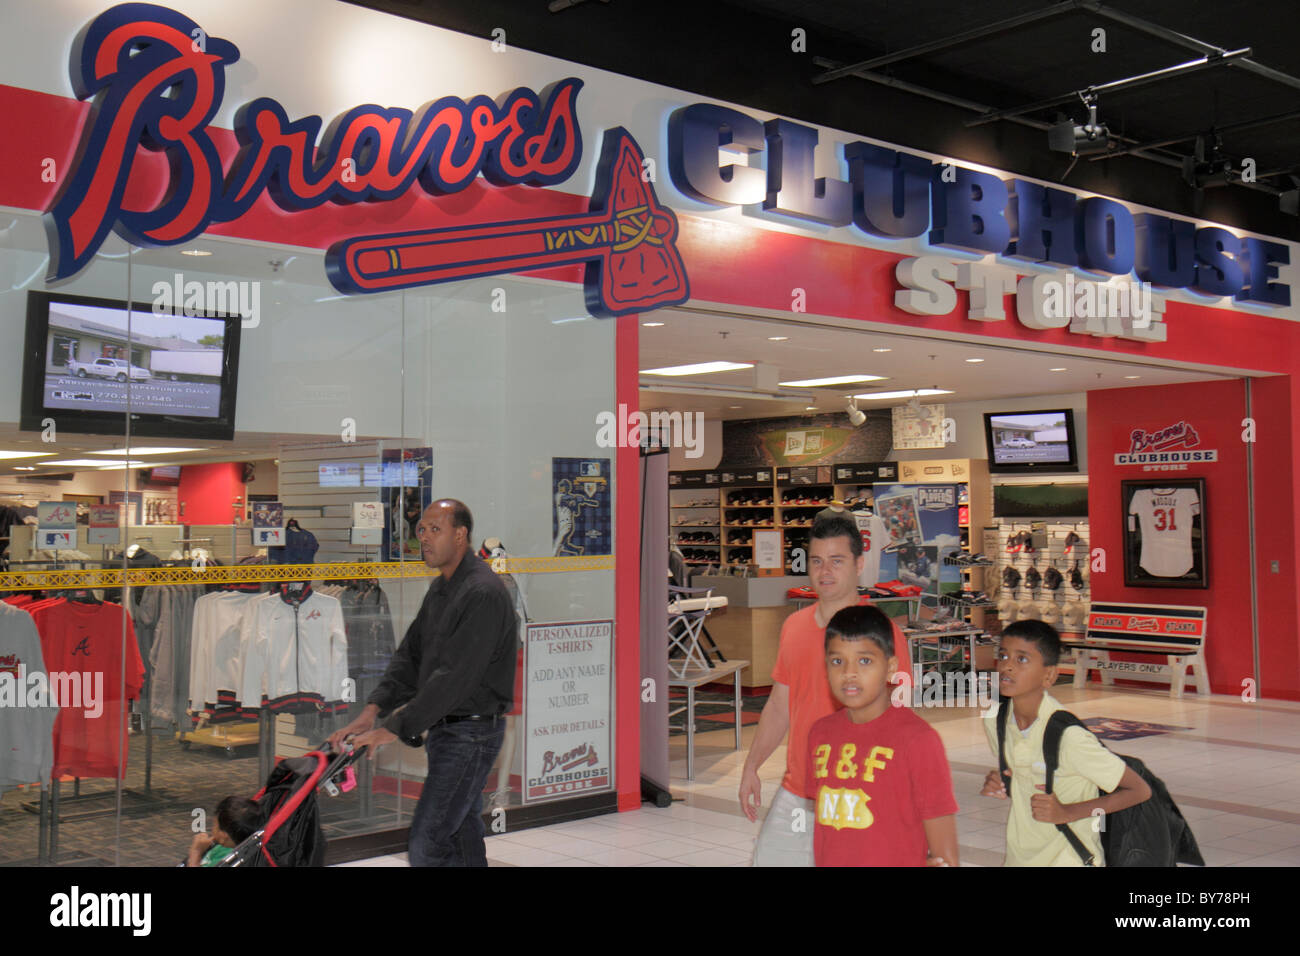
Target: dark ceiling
{"points": [[1242, 107]]}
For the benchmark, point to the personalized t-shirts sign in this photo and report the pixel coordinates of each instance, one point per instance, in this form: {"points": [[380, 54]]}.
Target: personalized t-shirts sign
{"points": [[567, 718]]}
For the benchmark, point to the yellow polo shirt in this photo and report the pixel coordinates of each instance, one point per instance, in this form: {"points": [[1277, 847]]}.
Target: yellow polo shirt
{"points": [[1085, 768]]}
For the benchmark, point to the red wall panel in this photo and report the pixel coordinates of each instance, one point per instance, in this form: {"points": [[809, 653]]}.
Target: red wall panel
{"points": [[1216, 410], [207, 492]]}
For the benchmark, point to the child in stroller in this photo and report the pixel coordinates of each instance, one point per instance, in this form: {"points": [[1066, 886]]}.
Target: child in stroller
{"points": [[238, 818], [283, 820]]}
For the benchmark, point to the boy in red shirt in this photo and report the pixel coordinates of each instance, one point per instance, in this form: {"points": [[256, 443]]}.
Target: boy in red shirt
{"points": [[878, 776]]}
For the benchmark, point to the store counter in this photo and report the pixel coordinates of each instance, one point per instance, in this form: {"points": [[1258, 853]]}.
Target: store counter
{"points": [[751, 628]]}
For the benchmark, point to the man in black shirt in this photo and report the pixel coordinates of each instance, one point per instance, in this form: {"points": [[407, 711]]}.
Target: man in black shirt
{"points": [[452, 676]]}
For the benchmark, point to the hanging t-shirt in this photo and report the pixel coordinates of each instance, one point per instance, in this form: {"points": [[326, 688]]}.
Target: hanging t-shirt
{"points": [[873, 786], [875, 535], [87, 644], [26, 731]]}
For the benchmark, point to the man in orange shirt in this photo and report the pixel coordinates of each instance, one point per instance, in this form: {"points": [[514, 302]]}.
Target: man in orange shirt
{"points": [[801, 695]]}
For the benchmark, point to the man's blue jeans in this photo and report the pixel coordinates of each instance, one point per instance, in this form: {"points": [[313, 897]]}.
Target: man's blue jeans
{"points": [[447, 829]]}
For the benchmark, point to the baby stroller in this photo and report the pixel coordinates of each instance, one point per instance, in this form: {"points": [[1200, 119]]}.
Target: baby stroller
{"points": [[291, 833]]}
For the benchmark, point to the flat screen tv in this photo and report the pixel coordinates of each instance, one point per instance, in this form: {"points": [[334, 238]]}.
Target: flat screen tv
{"points": [[163, 475], [80, 365], [1037, 441]]}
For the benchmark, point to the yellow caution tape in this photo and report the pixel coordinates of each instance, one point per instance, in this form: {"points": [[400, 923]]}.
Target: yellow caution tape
{"points": [[199, 573]]}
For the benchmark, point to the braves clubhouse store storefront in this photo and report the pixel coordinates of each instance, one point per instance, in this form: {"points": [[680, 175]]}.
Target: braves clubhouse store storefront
{"points": [[406, 265]]}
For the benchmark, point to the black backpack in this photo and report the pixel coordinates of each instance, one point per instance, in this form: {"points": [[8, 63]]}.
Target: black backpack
{"points": [[1151, 833]]}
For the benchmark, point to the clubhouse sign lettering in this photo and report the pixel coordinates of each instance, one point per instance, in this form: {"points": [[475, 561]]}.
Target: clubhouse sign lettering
{"points": [[890, 194], [157, 79]]}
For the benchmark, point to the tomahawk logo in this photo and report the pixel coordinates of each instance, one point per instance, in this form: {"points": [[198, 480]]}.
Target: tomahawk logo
{"points": [[77, 909], [153, 85]]}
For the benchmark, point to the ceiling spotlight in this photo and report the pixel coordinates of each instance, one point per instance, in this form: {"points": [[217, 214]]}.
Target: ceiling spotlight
{"points": [[1091, 137], [856, 416], [652, 325], [974, 361], [778, 338], [882, 350]]}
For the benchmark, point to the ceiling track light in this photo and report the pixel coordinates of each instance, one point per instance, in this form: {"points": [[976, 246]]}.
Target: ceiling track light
{"points": [[856, 415], [1091, 137]]}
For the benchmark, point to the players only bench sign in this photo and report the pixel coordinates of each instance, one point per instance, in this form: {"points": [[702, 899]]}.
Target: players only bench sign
{"points": [[568, 693]]}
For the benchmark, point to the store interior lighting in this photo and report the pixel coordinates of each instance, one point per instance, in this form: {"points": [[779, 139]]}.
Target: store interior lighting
{"points": [[1091, 137], [856, 415]]}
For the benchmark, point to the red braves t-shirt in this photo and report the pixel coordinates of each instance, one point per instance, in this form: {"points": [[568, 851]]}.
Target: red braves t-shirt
{"points": [[873, 787], [84, 643]]}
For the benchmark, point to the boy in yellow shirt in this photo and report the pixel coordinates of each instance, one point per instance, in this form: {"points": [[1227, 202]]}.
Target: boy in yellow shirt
{"points": [[1027, 666]]}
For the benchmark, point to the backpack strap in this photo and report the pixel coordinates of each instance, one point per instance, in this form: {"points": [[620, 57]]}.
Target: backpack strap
{"points": [[1052, 733], [1004, 708]]}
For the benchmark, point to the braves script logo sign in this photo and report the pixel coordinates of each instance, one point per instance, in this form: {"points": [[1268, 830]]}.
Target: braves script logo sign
{"points": [[1168, 449], [157, 80]]}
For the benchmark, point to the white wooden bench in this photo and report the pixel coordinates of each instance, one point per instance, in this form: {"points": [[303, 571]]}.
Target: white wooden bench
{"points": [[1176, 633]]}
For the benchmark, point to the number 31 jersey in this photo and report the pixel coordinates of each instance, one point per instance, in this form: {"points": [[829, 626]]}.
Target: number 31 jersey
{"points": [[1164, 516]]}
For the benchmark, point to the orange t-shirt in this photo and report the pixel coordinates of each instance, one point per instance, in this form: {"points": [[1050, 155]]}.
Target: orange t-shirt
{"points": [[801, 666]]}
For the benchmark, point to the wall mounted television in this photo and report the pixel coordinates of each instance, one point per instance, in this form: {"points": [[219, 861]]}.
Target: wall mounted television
{"points": [[162, 475], [80, 364], [1034, 441]]}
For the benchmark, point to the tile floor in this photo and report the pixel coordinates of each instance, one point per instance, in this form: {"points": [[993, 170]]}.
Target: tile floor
{"points": [[1235, 775]]}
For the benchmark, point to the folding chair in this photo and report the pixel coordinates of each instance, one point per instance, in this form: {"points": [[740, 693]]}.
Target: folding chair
{"points": [[687, 610]]}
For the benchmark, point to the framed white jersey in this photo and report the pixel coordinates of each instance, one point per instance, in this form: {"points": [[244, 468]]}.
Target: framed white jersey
{"points": [[1164, 533]]}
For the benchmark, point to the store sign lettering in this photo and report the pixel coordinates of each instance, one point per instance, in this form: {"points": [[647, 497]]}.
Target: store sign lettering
{"points": [[157, 80], [1170, 448], [890, 194]]}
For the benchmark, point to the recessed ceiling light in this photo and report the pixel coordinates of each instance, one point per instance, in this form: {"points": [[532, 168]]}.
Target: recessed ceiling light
{"points": [[699, 368], [651, 325], [810, 408], [23, 468], [735, 406], [833, 380], [1132, 376], [119, 465], [23, 454], [195, 252], [974, 361], [778, 338], [907, 393], [152, 450], [882, 350], [92, 463], [1058, 370]]}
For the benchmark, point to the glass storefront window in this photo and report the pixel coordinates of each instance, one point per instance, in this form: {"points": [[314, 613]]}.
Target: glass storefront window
{"points": [[352, 414]]}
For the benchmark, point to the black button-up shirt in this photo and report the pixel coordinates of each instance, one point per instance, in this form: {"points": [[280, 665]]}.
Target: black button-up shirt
{"points": [[458, 655]]}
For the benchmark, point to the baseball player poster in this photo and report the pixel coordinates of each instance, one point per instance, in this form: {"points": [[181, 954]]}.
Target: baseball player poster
{"points": [[580, 511], [1164, 533], [923, 529]]}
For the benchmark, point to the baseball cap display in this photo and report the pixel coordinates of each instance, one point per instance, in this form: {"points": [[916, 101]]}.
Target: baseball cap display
{"points": [[1029, 611]]}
